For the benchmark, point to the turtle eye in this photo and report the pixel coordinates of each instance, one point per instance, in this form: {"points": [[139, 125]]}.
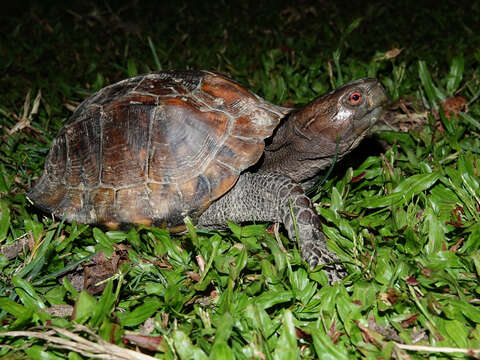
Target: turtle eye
{"points": [[355, 98]]}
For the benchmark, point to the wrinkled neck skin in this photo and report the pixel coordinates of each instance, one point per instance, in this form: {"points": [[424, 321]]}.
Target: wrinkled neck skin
{"points": [[295, 155]]}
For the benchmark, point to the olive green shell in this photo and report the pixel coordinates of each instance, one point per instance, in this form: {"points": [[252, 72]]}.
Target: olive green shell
{"points": [[153, 149]]}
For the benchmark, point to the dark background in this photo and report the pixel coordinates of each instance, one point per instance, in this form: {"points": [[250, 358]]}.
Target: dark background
{"points": [[57, 33]]}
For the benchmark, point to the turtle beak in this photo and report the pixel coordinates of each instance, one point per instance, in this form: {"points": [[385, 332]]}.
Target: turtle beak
{"points": [[376, 98], [377, 95]]}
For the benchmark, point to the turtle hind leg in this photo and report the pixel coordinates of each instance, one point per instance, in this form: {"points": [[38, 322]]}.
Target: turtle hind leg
{"points": [[275, 197]]}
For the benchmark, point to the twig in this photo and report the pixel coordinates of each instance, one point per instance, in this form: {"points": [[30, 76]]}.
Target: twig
{"points": [[24, 121], [100, 349], [437, 349], [276, 232]]}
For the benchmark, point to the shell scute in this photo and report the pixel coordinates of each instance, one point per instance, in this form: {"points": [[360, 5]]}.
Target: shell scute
{"points": [[166, 205], [125, 134], [255, 118], [221, 178], [239, 154], [51, 187], [233, 96], [183, 140], [132, 205], [103, 201], [169, 83], [104, 96], [83, 143], [74, 206]]}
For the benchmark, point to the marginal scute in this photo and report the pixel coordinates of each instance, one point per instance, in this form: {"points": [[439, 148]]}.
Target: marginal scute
{"points": [[132, 205], [233, 95], [244, 128], [51, 187], [103, 201], [165, 204], [254, 117], [239, 154], [220, 178], [74, 207], [56, 163], [195, 194], [48, 193]]}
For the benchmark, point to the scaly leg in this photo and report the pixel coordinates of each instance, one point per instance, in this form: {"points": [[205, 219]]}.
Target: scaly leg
{"points": [[267, 197]]}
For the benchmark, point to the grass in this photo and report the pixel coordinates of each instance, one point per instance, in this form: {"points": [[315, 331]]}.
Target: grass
{"points": [[402, 212]]}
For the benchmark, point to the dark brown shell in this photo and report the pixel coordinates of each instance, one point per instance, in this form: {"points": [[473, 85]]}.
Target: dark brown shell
{"points": [[153, 149]]}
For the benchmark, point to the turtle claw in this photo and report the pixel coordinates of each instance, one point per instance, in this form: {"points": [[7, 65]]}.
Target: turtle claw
{"points": [[335, 272], [315, 253]]}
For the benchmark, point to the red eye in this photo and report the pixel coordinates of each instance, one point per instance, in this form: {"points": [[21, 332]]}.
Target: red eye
{"points": [[355, 98]]}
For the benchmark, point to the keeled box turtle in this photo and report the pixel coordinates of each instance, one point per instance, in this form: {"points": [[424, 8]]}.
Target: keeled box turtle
{"points": [[156, 148]]}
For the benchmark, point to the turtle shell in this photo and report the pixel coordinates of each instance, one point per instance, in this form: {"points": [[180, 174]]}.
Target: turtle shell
{"points": [[153, 149]]}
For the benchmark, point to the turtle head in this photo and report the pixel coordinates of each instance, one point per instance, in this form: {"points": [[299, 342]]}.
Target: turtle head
{"points": [[307, 142], [344, 115]]}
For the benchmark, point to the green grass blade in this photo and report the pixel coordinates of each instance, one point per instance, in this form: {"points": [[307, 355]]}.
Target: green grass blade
{"points": [[13, 308], [4, 219], [456, 74], [132, 68], [434, 95], [326, 349], [185, 349], [154, 53], [470, 120], [286, 348], [140, 313], [27, 294]]}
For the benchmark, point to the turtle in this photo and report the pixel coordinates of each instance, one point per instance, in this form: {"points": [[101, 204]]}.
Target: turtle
{"points": [[157, 148]]}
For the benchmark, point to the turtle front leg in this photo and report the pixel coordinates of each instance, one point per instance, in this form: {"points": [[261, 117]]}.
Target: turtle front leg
{"points": [[311, 240], [267, 197]]}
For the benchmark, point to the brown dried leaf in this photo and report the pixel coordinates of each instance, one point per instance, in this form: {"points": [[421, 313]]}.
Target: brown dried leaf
{"points": [[193, 275], [102, 270], [412, 281], [333, 333], [456, 246], [201, 262], [99, 268], [453, 106], [153, 343], [148, 326], [384, 298], [358, 177], [11, 251], [388, 332], [409, 320], [301, 334], [390, 54], [164, 321], [393, 295], [60, 310]]}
